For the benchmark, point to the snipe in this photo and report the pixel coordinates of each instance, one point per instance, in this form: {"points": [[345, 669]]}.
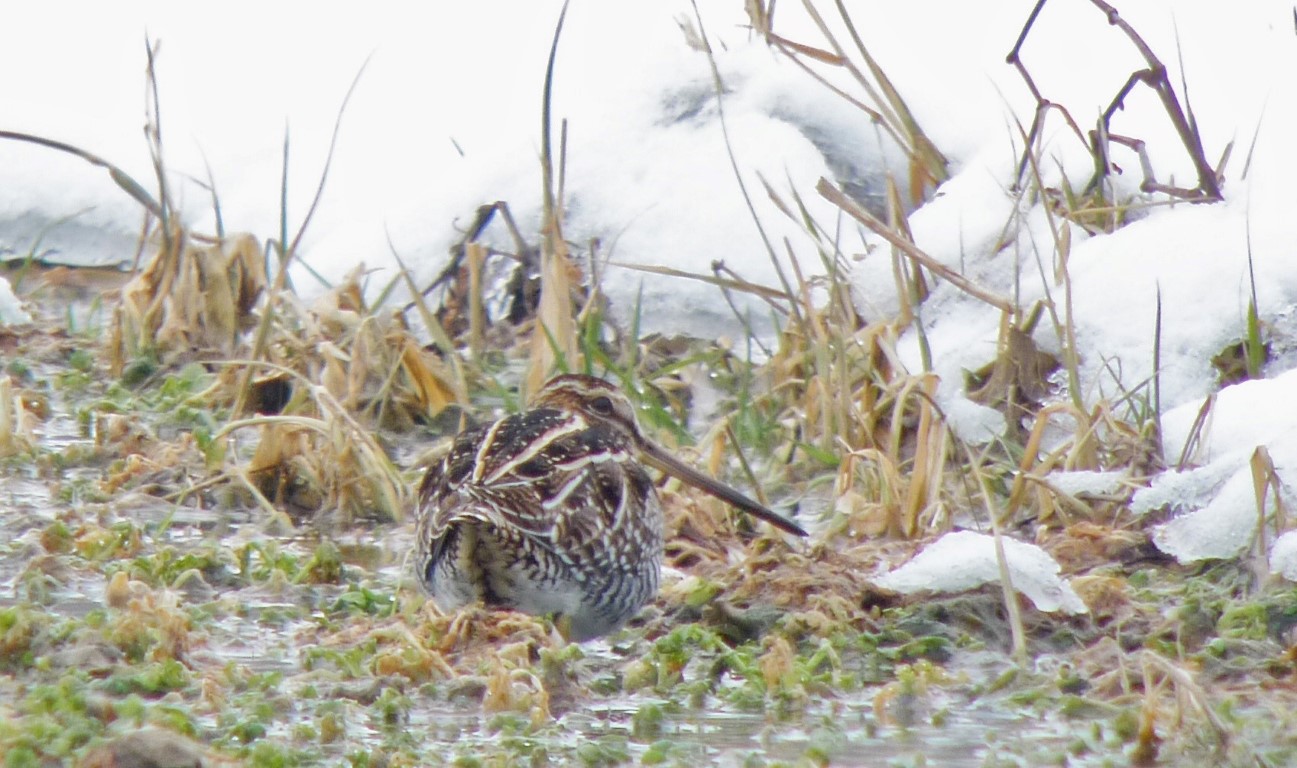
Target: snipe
{"points": [[551, 511]]}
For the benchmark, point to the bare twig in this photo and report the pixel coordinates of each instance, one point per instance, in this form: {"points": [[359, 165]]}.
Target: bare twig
{"points": [[1155, 77], [1043, 105], [857, 212], [928, 166]]}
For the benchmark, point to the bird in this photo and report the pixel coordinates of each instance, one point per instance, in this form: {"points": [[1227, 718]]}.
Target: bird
{"points": [[551, 511]]}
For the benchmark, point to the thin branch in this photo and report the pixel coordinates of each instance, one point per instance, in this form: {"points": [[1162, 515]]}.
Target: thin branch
{"points": [[857, 212], [129, 185]]}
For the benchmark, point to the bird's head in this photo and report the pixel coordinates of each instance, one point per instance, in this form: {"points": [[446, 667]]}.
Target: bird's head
{"points": [[598, 401], [605, 405]]}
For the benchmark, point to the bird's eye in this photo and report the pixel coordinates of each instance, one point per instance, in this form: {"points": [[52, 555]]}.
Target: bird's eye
{"points": [[602, 406]]}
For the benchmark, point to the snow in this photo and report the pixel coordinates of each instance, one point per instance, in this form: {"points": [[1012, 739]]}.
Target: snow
{"points": [[446, 115], [1087, 482], [1222, 517], [973, 423], [1180, 490], [11, 309], [1283, 556], [964, 560]]}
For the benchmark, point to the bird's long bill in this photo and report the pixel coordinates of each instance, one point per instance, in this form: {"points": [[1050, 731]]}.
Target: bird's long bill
{"points": [[657, 457]]}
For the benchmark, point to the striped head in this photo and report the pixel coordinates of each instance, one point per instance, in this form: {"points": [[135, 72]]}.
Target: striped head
{"points": [[598, 401], [601, 403]]}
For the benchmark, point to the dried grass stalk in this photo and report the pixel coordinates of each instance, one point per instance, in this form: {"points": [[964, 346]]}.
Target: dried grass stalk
{"points": [[367, 361], [555, 334], [189, 297], [923, 496], [328, 462], [16, 434]]}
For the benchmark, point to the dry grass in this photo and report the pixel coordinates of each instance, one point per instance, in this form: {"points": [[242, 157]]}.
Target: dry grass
{"points": [[877, 98], [16, 422], [190, 300], [313, 381]]}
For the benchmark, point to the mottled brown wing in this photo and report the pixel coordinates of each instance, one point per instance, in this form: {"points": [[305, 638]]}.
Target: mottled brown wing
{"points": [[570, 483], [546, 473], [604, 505], [437, 508]]}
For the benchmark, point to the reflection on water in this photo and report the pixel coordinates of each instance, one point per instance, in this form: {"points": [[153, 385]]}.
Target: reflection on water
{"points": [[849, 736]]}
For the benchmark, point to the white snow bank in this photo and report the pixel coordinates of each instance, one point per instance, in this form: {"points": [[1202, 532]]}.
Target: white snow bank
{"points": [[1222, 522], [972, 422], [964, 560], [446, 117]]}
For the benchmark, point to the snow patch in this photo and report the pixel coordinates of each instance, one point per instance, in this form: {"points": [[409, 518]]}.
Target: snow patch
{"points": [[1087, 482], [964, 560], [1219, 496], [1283, 556], [11, 309]]}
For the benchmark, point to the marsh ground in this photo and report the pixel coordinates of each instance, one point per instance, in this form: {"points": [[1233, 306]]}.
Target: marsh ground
{"points": [[151, 616]]}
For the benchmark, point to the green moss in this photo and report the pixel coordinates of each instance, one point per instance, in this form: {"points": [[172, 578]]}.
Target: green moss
{"points": [[174, 718], [270, 754], [657, 753], [391, 709], [261, 561], [123, 539], [153, 679], [138, 370], [362, 601], [1245, 621], [54, 721], [74, 382], [608, 750], [19, 629], [351, 662], [165, 566], [81, 360], [57, 538], [931, 648], [20, 370], [324, 567], [22, 756], [702, 594], [646, 723]]}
